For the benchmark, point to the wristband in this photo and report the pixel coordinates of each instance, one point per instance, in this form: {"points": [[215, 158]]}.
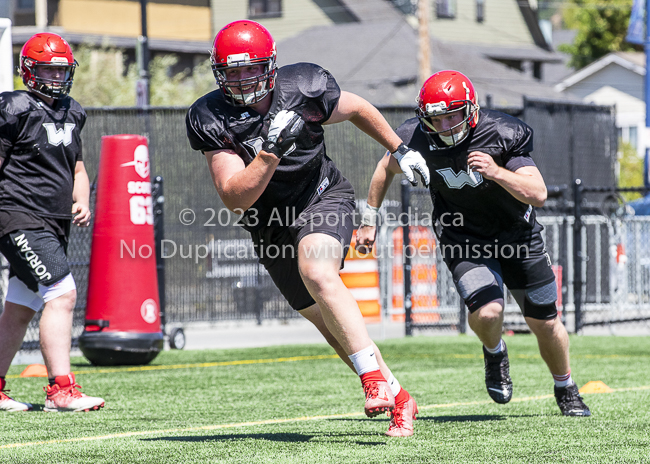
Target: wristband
{"points": [[401, 149], [369, 216], [271, 147]]}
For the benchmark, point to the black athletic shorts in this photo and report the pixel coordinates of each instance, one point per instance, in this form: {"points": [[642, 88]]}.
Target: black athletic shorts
{"points": [[529, 266], [35, 256], [277, 247]]}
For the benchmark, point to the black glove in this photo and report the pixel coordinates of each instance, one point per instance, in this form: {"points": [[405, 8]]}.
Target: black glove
{"points": [[283, 132]]}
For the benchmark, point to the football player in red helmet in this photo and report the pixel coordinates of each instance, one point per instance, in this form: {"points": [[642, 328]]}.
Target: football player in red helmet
{"points": [[447, 108], [47, 65], [262, 135], [42, 181], [243, 62], [485, 187]]}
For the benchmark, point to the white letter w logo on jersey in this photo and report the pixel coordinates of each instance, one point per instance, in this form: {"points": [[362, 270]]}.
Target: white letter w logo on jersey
{"points": [[458, 181], [56, 136]]}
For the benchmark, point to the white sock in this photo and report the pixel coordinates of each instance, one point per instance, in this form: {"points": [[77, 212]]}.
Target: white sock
{"points": [[563, 380], [364, 360], [497, 349], [395, 387]]}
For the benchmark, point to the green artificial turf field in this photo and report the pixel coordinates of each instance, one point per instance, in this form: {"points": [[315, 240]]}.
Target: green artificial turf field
{"points": [[300, 404]]}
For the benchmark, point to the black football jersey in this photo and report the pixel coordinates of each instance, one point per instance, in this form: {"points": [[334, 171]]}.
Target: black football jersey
{"points": [[307, 89], [465, 205], [40, 146]]}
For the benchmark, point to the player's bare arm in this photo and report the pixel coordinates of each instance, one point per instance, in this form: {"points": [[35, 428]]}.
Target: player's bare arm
{"points": [[81, 196], [238, 185], [366, 117], [525, 184], [381, 180]]}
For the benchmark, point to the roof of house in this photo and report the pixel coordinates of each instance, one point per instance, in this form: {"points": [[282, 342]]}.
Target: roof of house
{"points": [[633, 61], [608, 95], [371, 10], [378, 61], [555, 72]]}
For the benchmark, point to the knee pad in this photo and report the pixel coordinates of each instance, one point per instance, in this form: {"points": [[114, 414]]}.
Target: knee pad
{"points": [[61, 287], [539, 302], [19, 293], [478, 287]]}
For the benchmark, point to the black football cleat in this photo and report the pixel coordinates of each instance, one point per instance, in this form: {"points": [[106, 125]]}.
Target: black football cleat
{"points": [[497, 375], [570, 401]]}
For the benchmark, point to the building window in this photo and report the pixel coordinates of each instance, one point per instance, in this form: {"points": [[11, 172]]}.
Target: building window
{"points": [[446, 9], [264, 8], [25, 4], [480, 11], [409, 7], [632, 136], [629, 135]]}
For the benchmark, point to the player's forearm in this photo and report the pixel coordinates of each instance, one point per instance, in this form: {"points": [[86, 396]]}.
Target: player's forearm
{"points": [[371, 121], [81, 188], [381, 180], [525, 188], [245, 187]]}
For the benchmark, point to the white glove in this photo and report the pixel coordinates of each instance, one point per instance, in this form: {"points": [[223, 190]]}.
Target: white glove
{"points": [[410, 160], [283, 132]]}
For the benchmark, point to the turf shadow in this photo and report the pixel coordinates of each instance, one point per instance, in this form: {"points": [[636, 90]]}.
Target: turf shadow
{"points": [[36, 408], [370, 443], [285, 437]]}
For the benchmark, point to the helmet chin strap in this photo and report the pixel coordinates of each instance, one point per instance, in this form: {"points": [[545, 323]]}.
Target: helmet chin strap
{"points": [[454, 139], [249, 98]]}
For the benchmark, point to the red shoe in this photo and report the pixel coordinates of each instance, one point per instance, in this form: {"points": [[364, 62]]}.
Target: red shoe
{"points": [[379, 398], [8, 404], [69, 398], [402, 417]]}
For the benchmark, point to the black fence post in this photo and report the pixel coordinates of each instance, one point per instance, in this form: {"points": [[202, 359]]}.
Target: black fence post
{"points": [[259, 302], [159, 235], [577, 253], [406, 241], [462, 316], [563, 259]]}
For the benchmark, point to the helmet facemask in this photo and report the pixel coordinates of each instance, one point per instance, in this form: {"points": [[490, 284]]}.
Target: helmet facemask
{"points": [[33, 72], [449, 138], [237, 92]]}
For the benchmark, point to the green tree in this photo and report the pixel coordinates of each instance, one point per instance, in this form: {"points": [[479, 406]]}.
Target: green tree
{"points": [[181, 89], [602, 27], [101, 79], [630, 170]]}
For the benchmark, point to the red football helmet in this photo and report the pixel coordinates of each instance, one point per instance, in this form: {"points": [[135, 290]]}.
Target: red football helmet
{"points": [[239, 44], [443, 93], [42, 54]]}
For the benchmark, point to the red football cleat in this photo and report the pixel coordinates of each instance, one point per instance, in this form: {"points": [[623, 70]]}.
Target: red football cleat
{"points": [[69, 398], [8, 404], [379, 398], [402, 417]]}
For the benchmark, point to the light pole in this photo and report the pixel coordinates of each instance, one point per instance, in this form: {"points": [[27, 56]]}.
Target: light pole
{"points": [[142, 91], [637, 36]]}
